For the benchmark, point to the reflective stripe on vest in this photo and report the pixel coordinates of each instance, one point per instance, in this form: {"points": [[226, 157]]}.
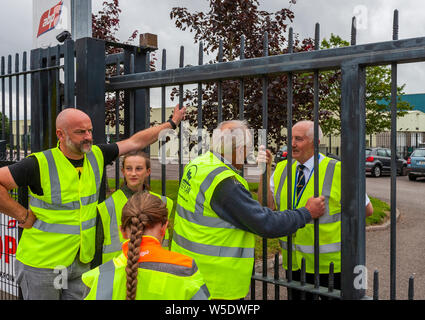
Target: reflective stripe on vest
{"points": [[326, 192], [202, 294], [57, 204], [324, 248], [202, 220], [64, 228], [211, 250], [200, 198], [105, 284], [115, 245]]}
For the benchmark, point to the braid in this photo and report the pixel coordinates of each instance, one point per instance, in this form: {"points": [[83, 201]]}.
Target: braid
{"points": [[141, 211], [132, 268]]}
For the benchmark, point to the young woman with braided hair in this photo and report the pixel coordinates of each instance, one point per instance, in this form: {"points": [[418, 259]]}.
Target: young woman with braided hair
{"points": [[145, 270], [136, 169]]}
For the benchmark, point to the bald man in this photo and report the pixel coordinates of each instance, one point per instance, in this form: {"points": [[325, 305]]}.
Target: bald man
{"points": [[58, 241]]}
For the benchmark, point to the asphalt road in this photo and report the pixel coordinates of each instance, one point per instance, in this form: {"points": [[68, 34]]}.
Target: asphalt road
{"points": [[410, 239]]}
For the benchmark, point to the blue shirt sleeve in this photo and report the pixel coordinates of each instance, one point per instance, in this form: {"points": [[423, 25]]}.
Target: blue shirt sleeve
{"points": [[234, 204]]}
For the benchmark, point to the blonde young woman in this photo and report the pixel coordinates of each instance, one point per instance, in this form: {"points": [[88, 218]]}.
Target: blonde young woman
{"points": [[136, 169], [144, 270]]}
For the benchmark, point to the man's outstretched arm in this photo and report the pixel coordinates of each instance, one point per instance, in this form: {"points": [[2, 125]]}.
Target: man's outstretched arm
{"points": [[144, 138]]}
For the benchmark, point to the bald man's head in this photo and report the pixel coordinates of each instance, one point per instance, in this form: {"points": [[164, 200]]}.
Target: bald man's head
{"points": [[69, 117], [74, 131]]}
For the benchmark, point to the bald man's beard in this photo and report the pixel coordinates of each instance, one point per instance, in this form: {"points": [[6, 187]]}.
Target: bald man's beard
{"points": [[83, 147]]}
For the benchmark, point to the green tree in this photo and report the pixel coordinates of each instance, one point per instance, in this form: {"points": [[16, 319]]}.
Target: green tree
{"points": [[6, 125], [378, 95], [230, 20]]}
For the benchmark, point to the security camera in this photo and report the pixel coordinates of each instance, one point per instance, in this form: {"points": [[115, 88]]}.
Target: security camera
{"points": [[63, 36]]}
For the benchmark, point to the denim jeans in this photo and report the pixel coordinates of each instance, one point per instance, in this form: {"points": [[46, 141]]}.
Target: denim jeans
{"points": [[52, 284]]}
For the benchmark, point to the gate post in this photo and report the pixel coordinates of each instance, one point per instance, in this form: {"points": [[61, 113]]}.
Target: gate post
{"points": [[353, 215], [137, 101], [39, 92], [90, 92], [90, 83]]}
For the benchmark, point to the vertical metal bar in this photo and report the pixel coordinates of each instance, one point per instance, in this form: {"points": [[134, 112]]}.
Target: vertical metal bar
{"points": [[242, 97], [9, 70], [316, 161], [276, 276], [17, 93], [131, 95], [117, 126], [57, 80], [220, 85], [302, 278], [24, 69], [393, 231], [352, 178], [253, 285], [242, 82], [181, 93], [49, 98], [147, 104], [331, 278], [3, 102], [376, 285], [265, 85], [411, 292], [163, 115], [353, 32], [290, 91], [200, 62], [69, 77]]}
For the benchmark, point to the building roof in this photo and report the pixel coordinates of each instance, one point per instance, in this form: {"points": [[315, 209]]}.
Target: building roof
{"points": [[416, 100]]}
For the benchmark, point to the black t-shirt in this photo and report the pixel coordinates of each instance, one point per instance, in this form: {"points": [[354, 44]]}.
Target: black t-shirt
{"points": [[27, 172]]}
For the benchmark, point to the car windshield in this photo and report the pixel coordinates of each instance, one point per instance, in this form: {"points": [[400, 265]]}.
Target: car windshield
{"points": [[418, 153], [368, 151]]}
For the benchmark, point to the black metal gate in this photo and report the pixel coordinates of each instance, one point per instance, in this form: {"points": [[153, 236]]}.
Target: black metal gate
{"points": [[53, 87]]}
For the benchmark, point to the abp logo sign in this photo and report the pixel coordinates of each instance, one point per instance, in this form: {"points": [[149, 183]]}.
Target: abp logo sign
{"points": [[50, 18]]}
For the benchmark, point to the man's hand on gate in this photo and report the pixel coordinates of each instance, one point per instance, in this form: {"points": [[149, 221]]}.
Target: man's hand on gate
{"points": [[316, 206], [264, 155], [178, 114]]}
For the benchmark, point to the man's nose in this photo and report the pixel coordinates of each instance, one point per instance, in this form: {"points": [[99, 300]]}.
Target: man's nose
{"points": [[88, 135]]}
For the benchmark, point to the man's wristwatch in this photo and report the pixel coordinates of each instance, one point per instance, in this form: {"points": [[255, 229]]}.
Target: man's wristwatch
{"points": [[173, 125]]}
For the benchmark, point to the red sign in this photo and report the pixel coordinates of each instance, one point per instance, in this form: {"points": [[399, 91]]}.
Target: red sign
{"points": [[50, 19]]}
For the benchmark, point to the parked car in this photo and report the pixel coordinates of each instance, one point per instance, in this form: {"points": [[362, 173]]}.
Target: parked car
{"points": [[416, 164], [281, 154], [378, 162]]}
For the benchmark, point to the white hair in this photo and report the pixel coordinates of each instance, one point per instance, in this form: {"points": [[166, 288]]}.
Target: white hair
{"points": [[231, 134], [310, 130]]}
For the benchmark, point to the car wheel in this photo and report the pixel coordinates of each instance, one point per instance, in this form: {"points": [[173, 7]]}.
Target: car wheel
{"points": [[404, 171], [412, 177], [376, 171]]}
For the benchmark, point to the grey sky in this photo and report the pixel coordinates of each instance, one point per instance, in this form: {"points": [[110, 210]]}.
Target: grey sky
{"points": [[334, 16]]}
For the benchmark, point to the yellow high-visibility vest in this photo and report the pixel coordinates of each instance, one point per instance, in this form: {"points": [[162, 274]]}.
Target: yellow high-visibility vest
{"points": [[224, 254], [110, 212], [329, 223], [66, 212]]}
